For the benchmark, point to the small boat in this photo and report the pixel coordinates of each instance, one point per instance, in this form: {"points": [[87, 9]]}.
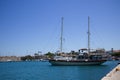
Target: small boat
{"points": [[84, 56]]}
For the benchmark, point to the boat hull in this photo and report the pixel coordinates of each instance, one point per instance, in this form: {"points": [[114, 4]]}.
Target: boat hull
{"points": [[75, 63]]}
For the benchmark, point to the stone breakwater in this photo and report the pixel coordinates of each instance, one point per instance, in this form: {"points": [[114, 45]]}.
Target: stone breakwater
{"points": [[9, 58], [114, 74]]}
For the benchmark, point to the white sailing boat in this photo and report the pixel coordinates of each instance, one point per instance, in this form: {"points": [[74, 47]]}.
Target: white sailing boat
{"points": [[85, 56]]}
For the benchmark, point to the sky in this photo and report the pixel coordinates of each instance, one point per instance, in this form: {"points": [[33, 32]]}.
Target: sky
{"points": [[29, 26]]}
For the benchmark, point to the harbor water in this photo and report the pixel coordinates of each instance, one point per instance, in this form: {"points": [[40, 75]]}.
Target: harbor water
{"points": [[36, 70]]}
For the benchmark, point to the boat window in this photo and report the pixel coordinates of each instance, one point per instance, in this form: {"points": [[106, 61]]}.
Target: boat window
{"points": [[80, 57], [96, 57]]}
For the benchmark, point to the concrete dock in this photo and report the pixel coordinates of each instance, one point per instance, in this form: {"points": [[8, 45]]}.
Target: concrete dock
{"points": [[114, 74]]}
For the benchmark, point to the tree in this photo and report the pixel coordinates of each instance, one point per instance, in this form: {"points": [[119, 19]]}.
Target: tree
{"points": [[28, 57], [117, 54], [50, 55]]}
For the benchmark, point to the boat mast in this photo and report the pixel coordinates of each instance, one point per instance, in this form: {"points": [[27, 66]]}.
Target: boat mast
{"points": [[88, 34], [61, 38]]}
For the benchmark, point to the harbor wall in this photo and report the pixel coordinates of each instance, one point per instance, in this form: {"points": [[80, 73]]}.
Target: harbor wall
{"points": [[9, 58]]}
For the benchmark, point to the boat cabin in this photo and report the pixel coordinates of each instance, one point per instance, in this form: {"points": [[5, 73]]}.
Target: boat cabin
{"points": [[83, 54]]}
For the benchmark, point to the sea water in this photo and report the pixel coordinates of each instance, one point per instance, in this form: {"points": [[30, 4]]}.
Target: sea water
{"points": [[36, 70]]}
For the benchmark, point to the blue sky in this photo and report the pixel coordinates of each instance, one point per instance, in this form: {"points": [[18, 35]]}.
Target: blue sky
{"points": [[29, 26]]}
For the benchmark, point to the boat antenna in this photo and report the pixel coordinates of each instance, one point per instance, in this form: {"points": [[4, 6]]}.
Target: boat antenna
{"points": [[88, 34], [61, 38]]}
